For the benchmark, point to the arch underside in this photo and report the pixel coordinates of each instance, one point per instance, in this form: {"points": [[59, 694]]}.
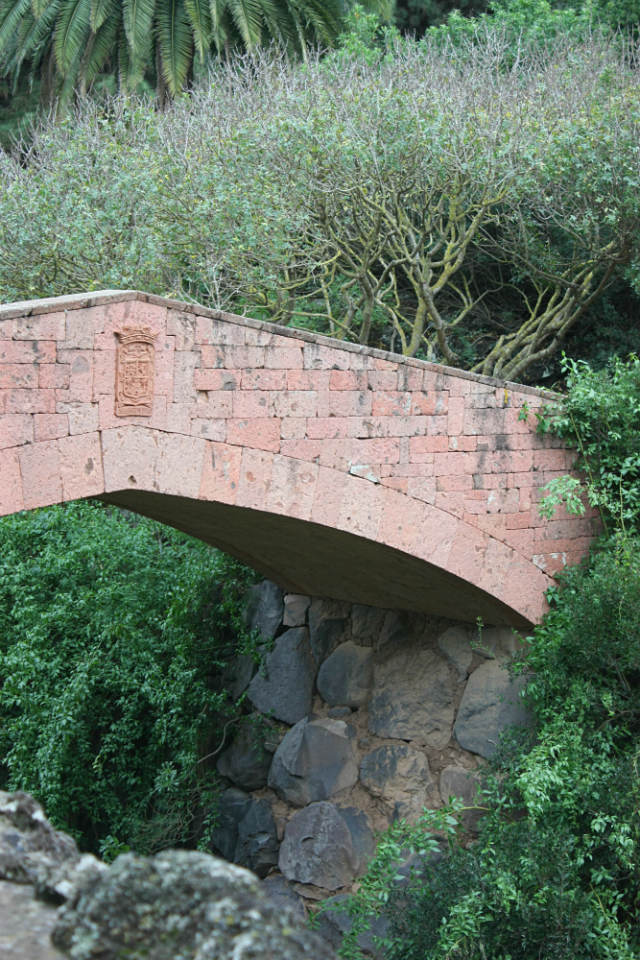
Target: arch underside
{"points": [[313, 559]]}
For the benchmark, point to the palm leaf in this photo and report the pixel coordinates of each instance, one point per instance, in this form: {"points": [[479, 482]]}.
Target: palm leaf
{"points": [[200, 19], [247, 18], [137, 16], [72, 33], [11, 14], [101, 9], [36, 39], [175, 44], [103, 45]]}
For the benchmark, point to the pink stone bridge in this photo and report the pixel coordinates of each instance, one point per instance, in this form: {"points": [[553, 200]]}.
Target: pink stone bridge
{"points": [[334, 469]]}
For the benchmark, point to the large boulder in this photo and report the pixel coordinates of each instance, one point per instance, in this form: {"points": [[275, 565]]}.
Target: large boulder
{"points": [[264, 609], [314, 761], [318, 848], [362, 836], [491, 702], [181, 904], [455, 644], [233, 805], [413, 697], [327, 626], [246, 762], [257, 846], [346, 676], [399, 774], [367, 624], [283, 688]]}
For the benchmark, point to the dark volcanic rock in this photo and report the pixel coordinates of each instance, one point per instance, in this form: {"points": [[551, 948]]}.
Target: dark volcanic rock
{"points": [[246, 762], [257, 846], [283, 688], [346, 676], [264, 608], [318, 848], [490, 703], [314, 761], [412, 697]]}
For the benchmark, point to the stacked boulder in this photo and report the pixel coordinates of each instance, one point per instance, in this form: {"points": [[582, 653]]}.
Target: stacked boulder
{"points": [[360, 716]]}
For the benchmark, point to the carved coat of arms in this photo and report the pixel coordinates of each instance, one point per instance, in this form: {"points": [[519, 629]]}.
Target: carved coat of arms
{"points": [[135, 371]]}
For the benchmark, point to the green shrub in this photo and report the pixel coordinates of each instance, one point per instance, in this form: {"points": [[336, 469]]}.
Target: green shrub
{"points": [[114, 633], [600, 414]]}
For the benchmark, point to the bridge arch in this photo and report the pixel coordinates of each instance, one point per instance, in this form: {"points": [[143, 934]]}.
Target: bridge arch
{"points": [[334, 469]]}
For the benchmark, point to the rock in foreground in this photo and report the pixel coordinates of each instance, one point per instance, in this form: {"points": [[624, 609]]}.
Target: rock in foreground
{"points": [[181, 905]]}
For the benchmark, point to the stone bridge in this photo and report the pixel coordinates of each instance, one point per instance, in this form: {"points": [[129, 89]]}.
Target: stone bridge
{"points": [[334, 469]]}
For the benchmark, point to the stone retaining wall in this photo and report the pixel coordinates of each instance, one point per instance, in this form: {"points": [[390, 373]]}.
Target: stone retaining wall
{"points": [[361, 716]]}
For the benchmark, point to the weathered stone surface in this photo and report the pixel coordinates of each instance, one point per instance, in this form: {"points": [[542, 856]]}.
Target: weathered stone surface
{"points": [[237, 676], [455, 644], [232, 807], [280, 891], [334, 922], [366, 624], [264, 608], [399, 774], [295, 610], [246, 762], [283, 688], [497, 643], [412, 697], [362, 836], [257, 846], [346, 676], [314, 761], [490, 703], [327, 626], [25, 925], [30, 848], [318, 848], [181, 904], [457, 782]]}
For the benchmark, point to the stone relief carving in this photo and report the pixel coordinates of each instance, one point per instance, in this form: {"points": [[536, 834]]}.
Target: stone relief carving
{"points": [[135, 372]]}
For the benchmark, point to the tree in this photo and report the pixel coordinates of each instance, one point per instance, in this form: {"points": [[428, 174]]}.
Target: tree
{"points": [[71, 42]]}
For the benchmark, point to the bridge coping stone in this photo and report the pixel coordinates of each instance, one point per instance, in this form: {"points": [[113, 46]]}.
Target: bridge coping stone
{"points": [[79, 301]]}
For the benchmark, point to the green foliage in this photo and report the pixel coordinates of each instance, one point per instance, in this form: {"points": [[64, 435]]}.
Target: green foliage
{"points": [[555, 872], [114, 633], [390, 193], [600, 414]]}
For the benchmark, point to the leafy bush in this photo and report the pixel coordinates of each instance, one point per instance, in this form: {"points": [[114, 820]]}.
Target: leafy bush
{"points": [[114, 633], [601, 415]]}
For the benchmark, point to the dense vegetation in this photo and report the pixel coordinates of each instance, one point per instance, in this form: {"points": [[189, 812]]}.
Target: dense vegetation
{"points": [[437, 199], [555, 872], [114, 633]]}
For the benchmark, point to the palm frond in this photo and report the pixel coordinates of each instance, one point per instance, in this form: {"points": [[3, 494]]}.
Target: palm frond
{"points": [[199, 15], [247, 18], [104, 42], [175, 44], [72, 32], [101, 9], [137, 16]]}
